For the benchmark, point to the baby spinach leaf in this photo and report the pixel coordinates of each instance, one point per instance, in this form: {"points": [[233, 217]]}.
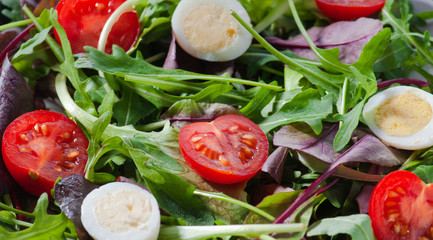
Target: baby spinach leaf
{"points": [[176, 197], [425, 173]]}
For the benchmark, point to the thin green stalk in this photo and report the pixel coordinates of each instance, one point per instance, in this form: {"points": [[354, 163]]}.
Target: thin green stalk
{"points": [[15, 24], [280, 8], [15, 222], [283, 58], [307, 37], [55, 47], [408, 36], [161, 77], [16, 211], [226, 198]]}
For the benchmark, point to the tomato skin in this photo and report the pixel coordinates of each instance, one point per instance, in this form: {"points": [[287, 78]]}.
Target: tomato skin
{"points": [[230, 149], [401, 207], [83, 21], [349, 9], [40, 146]]}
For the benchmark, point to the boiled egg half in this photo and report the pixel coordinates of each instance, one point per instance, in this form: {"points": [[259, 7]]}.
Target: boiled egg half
{"points": [[206, 29], [121, 211], [401, 117]]}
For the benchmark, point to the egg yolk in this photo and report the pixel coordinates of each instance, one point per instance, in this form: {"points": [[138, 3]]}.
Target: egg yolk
{"points": [[210, 28], [403, 115], [123, 211]]}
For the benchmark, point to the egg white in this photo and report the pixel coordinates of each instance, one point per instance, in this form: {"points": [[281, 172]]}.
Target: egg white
{"points": [[240, 44], [418, 140], [92, 225]]}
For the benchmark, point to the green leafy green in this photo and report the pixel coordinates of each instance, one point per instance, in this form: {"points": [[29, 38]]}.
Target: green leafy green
{"points": [[358, 226], [45, 226]]}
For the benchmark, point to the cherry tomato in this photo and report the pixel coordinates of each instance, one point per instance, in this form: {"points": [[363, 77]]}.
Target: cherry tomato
{"points": [[40, 146], [228, 150], [83, 21], [349, 9], [401, 207]]}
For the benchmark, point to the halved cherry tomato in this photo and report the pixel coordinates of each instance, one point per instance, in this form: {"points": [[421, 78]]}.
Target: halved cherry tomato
{"points": [[401, 207], [228, 150], [83, 21], [40, 146], [349, 9]]}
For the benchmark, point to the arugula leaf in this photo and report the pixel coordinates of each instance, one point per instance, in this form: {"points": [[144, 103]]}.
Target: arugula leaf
{"points": [[419, 43], [45, 226], [358, 226], [307, 106]]}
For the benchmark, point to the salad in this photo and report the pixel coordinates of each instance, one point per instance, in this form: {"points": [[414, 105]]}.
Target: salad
{"points": [[228, 119]]}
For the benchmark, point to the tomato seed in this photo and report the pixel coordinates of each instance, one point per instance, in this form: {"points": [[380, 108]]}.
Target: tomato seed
{"points": [[247, 152], [73, 154], [44, 129], [205, 151], [392, 194], [196, 139], [397, 227], [199, 147], [25, 149], [65, 135], [401, 190], [242, 157], [24, 137], [393, 216], [390, 204], [68, 165], [37, 128], [58, 169], [233, 128], [223, 161], [404, 231], [33, 175], [249, 140]]}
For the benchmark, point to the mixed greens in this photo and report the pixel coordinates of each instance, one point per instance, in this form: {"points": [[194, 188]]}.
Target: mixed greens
{"points": [[306, 93]]}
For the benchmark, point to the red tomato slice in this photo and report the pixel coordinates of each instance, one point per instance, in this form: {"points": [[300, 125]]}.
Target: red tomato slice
{"points": [[401, 207], [40, 146], [83, 21], [349, 9], [230, 149]]}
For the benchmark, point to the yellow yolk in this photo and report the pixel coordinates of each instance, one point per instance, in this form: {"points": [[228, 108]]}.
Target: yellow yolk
{"points": [[210, 28], [403, 115]]}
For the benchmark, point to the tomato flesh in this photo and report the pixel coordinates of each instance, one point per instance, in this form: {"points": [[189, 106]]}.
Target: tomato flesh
{"points": [[349, 9], [228, 150], [40, 146], [401, 207], [83, 21]]}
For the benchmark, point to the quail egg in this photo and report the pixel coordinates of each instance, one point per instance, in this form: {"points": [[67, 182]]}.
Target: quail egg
{"points": [[206, 29], [401, 116], [119, 210]]}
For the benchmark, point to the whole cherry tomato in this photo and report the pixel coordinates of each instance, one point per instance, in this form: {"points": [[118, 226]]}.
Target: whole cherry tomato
{"points": [[40, 146], [228, 150], [349, 9], [83, 21], [401, 207]]}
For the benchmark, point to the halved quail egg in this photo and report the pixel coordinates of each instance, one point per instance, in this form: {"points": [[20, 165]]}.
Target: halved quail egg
{"points": [[401, 117], [206, 29], [120, 210]]}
